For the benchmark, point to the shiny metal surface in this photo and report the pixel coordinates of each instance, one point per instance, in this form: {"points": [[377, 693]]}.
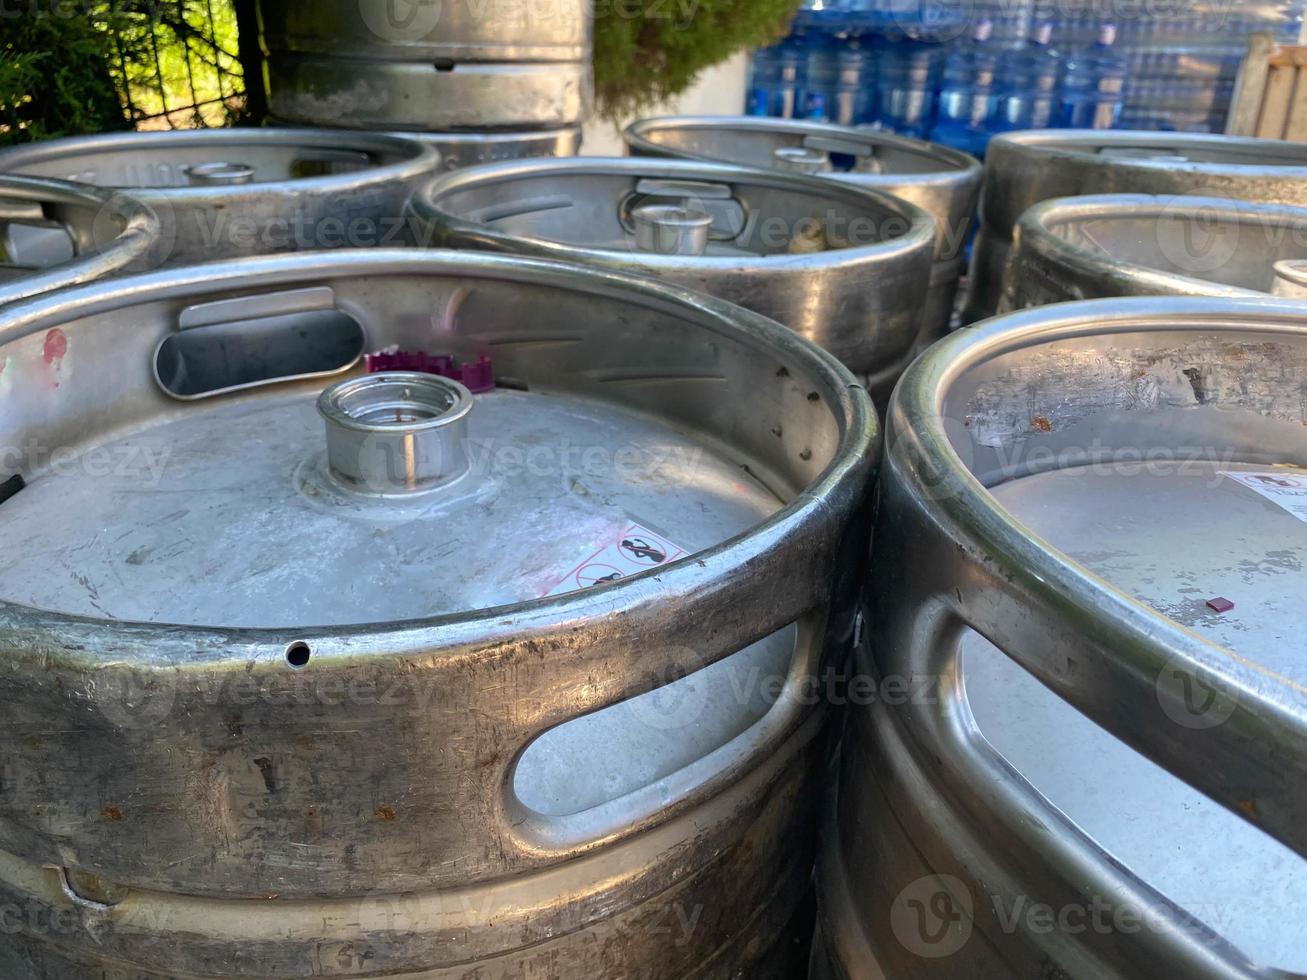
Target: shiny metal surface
{"points": [[466, 149], [1022, 169], [1290, 279], [1079, 762], [55, 234], [458, 150], [847, 267], [396, 432], [942, 181], [262, 725], [311, 189], [456, 65], [1139, 245]]}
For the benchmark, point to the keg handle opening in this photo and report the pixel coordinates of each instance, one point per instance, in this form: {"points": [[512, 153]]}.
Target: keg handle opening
{"points": [[396, 432], [33, 236], [234, 344]]}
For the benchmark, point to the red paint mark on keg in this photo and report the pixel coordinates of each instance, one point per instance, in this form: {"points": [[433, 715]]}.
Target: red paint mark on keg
{"points": [[1220, 604], [56, 346]]}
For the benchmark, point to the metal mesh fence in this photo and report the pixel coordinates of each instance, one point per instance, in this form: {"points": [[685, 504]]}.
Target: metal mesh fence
{"points": [[176, 63]]}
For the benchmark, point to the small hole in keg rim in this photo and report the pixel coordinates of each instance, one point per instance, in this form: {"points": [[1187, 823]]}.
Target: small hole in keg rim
{"points": [[298, 653]]}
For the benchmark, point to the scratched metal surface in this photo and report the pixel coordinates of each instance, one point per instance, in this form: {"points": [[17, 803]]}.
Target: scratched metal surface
{"points": [[311, 188], [1109, 773], [1140, 531], [1023, 169], [620, 781], [845, 266]]}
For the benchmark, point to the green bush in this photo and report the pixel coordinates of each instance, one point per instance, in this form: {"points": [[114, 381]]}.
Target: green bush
{"points": [[650, 50], [55, 75]]}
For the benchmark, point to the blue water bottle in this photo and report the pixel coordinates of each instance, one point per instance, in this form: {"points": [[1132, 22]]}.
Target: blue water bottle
{"points": [[967, 111], [1093, 86], [905, 96], [777, 77], [1031, 83]]}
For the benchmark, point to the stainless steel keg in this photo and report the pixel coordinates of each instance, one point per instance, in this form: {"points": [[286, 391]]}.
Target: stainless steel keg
{"points": [[311, 671], [229, 192], [1078, 745], [942, 181], [459, 150], [1139, 245], [847, 267], [1022, 169], [462, 64], [55, 234], [466, 149]]}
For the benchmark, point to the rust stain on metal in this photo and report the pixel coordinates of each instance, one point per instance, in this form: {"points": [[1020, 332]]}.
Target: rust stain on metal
{"points": [[112, 813], [1041, 423], [384, 812]]}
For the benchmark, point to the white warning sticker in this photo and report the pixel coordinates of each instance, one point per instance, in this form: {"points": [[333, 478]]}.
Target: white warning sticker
{"points": [[633, 550], [1288, 488]]}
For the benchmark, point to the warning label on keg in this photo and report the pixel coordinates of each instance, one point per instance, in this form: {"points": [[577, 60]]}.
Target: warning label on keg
{"points": [[635, 549], [1287, 488]]}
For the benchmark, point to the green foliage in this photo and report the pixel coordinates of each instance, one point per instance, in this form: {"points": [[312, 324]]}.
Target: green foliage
{"points": [[650, 50], [85, 66], [178, 59], [55, 75]]}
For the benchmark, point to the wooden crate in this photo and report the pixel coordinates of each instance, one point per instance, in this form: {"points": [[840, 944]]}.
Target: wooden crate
{"points": [[1270, 95]]}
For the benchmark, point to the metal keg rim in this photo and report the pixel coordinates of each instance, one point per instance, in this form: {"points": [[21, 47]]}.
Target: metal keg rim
{"points": [[837, 489], [425, 202], [956, 166], [139, 233], [920, 451], [417, 158], [1075, 143], [1034, 234]]}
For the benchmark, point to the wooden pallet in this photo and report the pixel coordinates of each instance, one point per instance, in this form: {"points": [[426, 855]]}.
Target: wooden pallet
{"points": [[1270, 95]]}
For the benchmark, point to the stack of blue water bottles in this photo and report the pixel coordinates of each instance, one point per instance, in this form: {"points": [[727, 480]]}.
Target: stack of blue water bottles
{"points": [[959, 74]]}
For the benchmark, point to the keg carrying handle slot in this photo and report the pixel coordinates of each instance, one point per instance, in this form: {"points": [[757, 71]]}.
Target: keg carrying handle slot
{"points": [[718, 201], [770, 737], [34, 235], [1099, 652], [270, 338]]}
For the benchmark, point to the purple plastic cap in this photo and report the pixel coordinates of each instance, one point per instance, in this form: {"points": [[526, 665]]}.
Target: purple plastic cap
{"points": [[480, 376]]}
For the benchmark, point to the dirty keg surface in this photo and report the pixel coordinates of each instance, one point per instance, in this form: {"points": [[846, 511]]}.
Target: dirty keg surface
{"points": [[1172, 539], [225, 516]]}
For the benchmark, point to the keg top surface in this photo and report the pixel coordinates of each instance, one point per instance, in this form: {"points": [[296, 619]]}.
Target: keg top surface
{"points": [[1183, 244], [1150, 457], [224, 511], [582, 207], [55, 234], [861, 155], [310, 158]]}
